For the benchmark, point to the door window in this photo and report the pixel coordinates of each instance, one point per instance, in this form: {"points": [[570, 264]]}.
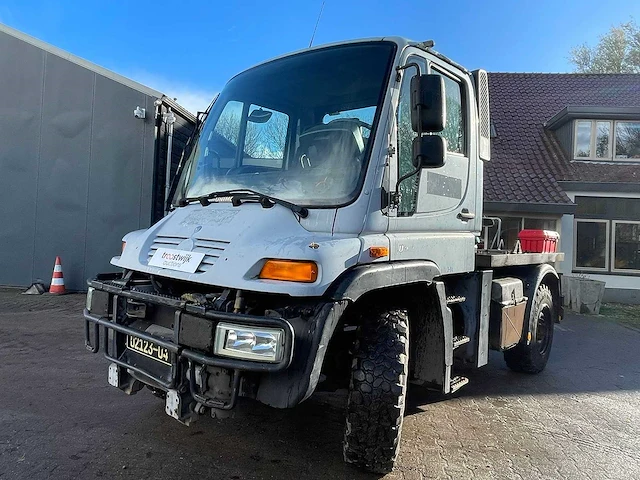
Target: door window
{"points": [[454, 130], [454, 133], [409, 187]]}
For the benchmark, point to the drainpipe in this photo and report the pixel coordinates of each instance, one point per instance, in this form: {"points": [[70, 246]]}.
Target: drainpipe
{"points": [[169, 118], [156, 151]]}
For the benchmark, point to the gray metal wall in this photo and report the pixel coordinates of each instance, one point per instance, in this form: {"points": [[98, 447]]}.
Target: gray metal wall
{"points": [[76, 167]]}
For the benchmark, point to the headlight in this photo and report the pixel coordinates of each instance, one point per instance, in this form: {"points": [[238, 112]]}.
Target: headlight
{"points": [[250, 343], [89, 297]]}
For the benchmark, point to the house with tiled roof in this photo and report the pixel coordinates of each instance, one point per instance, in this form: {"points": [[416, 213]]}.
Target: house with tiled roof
{"points": [[566, 157]]}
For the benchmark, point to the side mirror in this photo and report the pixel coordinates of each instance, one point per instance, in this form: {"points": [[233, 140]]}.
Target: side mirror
{"points": [[429, 151], [428, 107]]}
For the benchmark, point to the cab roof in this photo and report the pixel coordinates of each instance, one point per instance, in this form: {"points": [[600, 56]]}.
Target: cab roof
{"points": [[401, 43]]}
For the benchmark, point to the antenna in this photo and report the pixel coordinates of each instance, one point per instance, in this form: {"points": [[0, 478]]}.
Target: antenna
{"points": [[317, 22]]}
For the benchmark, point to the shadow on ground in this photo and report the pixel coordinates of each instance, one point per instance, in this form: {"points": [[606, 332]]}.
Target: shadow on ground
{"points": [[59, 419]]}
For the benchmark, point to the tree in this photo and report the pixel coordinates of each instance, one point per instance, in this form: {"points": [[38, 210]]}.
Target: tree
{"points": [[618, 51]]}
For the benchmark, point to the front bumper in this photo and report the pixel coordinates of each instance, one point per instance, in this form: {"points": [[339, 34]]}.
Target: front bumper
{"points": [[282, 384], [107, 328]]}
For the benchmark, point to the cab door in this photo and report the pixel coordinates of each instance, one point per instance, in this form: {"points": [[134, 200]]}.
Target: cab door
{"points": [[435, 218]]}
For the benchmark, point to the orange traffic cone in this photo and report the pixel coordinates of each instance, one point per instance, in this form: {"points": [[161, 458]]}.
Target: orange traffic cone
{"points": [[57, 281]]}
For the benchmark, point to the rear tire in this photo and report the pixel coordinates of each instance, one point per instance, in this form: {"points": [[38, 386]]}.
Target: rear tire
{"points": [[533, 358], [376, 403]]}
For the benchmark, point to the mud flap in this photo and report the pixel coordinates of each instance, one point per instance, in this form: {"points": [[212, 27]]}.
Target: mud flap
{"points": [[433, 340]]}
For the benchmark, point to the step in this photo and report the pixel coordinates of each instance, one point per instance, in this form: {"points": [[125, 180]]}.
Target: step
{"points": [[457, 383], [455, 299], [459, 340]]}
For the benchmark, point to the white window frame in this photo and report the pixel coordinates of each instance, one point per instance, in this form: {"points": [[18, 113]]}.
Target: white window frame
{"points": [[613, 246], [592, 143], [613, 151], [607, 245], [613, 124]]}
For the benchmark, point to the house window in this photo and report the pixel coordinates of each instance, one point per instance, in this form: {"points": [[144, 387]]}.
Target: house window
{"points": [[594, 140], [511, 227], [591, 244], [607, 235], [540, 224], [628, 140], [626, 246]]}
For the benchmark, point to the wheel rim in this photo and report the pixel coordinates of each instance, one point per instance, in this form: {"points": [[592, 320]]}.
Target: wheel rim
{"points": [[543, 329]]}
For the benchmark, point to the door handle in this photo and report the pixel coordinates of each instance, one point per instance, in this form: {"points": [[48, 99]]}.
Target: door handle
{"points": [[465, 215]]}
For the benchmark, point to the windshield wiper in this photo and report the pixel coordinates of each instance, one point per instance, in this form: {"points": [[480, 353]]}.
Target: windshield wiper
{"points": [[240, 195], [267, 202], [204, 199]]}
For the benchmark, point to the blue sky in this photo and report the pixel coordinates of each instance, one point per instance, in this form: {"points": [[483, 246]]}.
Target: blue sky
{"points": [[189, 49]]}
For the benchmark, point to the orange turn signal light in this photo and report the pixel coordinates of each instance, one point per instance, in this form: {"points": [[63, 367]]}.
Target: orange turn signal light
{"points": [[290, 271], [378, 252]]}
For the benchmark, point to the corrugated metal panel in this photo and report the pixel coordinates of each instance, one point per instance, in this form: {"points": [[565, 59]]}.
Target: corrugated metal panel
{"points": [[53, 50], [20, 112], [118, 202], [63, 169]]}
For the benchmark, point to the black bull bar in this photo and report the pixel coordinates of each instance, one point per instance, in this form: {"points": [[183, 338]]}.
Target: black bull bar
{"points": [[96, 333]]}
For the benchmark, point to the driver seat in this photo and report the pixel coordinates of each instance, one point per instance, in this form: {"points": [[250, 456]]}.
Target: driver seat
{"points": [[338, 144]]}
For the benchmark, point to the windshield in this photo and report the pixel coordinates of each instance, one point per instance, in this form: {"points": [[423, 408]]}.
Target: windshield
{"points": [[297, 128]]}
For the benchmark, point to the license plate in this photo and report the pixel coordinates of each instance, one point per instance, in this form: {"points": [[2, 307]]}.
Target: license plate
{"points": [[148, 349]]}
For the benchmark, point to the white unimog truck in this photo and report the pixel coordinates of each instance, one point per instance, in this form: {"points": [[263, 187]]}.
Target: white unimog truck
{"points": [[324, 233]]}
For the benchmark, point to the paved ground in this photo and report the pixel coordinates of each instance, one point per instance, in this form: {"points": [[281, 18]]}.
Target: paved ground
{"points": [[60, 419]]}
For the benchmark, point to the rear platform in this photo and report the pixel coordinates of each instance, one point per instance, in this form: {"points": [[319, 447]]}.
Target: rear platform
{"points": [[503, 258]]}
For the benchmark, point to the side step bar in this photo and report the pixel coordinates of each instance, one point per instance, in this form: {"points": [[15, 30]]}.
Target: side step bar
{"points": [[460, 340], [458, 382]]}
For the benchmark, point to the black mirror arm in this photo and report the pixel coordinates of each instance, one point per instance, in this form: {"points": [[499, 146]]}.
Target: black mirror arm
{"points": [[408, 65], [395, 196], [405, 176]]}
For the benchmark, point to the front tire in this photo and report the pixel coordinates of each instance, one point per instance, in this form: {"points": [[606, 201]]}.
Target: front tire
{"points": [[533, 358], [376, 403]]}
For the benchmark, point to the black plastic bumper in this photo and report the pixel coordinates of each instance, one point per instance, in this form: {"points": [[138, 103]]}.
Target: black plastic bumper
{"points": [[189, 354], [283, 384], [98, 326]]}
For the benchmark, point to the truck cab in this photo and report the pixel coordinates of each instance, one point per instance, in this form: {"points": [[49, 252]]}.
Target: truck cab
{"points": [[322, 233]]}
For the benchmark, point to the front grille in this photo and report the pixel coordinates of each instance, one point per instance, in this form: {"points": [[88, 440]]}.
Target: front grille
{"points": [[212, 249]]}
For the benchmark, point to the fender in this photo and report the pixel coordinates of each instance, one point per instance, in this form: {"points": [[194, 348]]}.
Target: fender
{"points": [[531, 278], [433, 327], [354, 283], [288, 388], [312, 335]]}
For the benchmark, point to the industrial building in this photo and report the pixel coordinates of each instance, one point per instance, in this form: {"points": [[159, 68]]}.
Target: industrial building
{"points": [[83, 156]]}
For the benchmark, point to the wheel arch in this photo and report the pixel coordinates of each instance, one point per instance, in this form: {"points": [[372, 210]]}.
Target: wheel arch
{"points": [[413, 285], [364, 279], [532, 278]]}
